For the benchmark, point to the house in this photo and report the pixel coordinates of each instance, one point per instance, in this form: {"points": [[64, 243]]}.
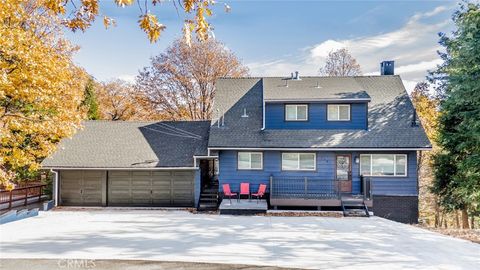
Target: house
{"points": [[314, 141]]}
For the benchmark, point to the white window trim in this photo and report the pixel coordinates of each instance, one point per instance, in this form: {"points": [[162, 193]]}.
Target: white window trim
{"points": [[296, 112], [298, 162], [394, 165], [338, 112], [250, 161]]}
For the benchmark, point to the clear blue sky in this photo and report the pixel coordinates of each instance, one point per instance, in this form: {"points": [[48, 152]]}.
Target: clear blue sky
{"points": [[279, 37]]}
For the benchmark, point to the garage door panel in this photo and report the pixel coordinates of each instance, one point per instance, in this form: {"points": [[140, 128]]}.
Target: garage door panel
{"points": [[81, 188], [183, 173], [154, 188], [93, 174], [162, 173]]}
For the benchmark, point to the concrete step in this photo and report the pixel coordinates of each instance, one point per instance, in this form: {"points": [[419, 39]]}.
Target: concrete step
{"points": [[208, 195], [209, 200]]}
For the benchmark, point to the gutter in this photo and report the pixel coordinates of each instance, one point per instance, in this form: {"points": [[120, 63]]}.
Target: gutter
{"points": [[321, 149], [122, 169]]}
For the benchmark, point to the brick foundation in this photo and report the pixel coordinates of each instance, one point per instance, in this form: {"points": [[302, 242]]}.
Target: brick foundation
{"points": [[398, 208]]}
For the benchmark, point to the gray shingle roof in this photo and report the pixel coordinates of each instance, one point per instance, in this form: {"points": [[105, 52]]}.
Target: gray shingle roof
{"points": [[390, 114], [119, 144], [313, 88]]}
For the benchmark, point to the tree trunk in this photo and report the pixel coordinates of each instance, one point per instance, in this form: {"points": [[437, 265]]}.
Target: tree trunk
{"points": [[457, 220], [472, 221], [465, 224]]}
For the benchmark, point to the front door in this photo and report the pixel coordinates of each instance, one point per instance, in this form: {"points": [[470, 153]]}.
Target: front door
{"points": [[344, 172]]}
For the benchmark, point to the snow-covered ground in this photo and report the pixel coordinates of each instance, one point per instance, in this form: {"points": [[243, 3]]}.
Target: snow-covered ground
{"points": [[305, 242]]}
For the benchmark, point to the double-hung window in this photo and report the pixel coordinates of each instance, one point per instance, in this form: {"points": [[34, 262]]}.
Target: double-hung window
{"points": [[296, 112], [383, 164], [336, 112], [250, 161], [298, 161]]}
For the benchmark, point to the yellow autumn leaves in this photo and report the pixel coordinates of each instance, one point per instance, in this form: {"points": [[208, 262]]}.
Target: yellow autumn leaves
{"points": [[40, 88], [84, 12], [149, 23]]}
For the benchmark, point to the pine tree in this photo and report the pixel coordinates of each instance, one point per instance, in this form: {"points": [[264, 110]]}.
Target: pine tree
{"points": [[457, 167], [90, 100]]}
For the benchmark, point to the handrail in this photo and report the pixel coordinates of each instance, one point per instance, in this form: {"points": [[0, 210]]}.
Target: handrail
{"points": [[304, 187], [21, 194]]}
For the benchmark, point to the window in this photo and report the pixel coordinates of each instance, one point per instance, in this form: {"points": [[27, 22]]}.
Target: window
{"points": [[250, 161], [383, 165], [298, 161], [296, 112], [338, 112]]}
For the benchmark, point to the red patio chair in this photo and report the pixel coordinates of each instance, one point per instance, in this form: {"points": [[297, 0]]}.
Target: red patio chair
{"points": [[227, 192], [244, 190], [261, 191]]}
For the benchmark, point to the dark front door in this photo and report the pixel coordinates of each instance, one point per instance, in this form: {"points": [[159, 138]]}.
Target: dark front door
{"points": [[343, 172]]}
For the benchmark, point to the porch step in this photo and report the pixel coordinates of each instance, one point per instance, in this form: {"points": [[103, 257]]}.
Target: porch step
{"points": [[209, 198], [354, 208], [207, 207]]}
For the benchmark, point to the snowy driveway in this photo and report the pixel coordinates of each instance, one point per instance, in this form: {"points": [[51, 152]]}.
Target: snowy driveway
{"points": [[305, 242]]}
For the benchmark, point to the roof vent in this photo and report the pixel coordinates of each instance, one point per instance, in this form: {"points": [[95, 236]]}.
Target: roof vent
{"points": [[297, 76], [244, 115], [318, 85]]}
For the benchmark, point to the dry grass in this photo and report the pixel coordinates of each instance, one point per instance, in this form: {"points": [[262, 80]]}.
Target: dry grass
{"points": [[467, 234]]}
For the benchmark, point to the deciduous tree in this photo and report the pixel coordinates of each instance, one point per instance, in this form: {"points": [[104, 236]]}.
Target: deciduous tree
{"points": [[180, 82], [80, 14], [40, 88], [427, 107], [118, 100], [340, 63]]}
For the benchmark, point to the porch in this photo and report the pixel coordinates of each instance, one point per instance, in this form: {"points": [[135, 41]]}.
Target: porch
{"points": [[316, 192], [243, 206]]}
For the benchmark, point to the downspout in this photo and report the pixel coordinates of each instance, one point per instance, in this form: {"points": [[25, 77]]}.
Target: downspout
{"points": [[263, 108], [55, 190]]}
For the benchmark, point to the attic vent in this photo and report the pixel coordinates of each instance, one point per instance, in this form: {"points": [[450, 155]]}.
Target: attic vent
{"points": [[244, 115]]}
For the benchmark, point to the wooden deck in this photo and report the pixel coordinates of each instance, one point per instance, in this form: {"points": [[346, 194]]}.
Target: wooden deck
{"points": [[319, 202]]}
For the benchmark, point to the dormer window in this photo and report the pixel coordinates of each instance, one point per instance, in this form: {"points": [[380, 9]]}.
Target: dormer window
{"points": [[296, 112], [338, 112]]}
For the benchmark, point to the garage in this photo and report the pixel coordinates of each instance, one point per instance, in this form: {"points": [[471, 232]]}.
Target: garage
{"points": [[82, 188], [130, 164], [150, 188]]}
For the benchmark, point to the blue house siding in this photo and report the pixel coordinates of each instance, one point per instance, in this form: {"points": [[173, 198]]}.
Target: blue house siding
{"points": [[317, 117], [325, 170], [399, 185]]}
